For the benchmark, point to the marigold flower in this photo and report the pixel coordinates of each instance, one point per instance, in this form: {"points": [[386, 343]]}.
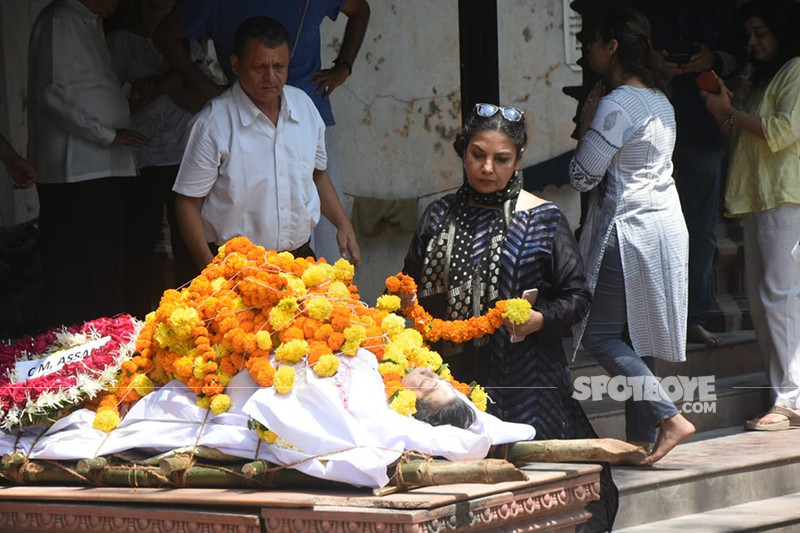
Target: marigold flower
{"points": [[319, 308], [317, 275], [284, 379], [323, 332], [203, 402], [338, 291], [292, 351], [182, 321], [404, 402], [335, 340], [184, 367], [142, 384], [344, 270], [295, 285], [106, 420], [478, 396], [220, 404], [388, 302], [387, 366], [392, 385], [518, 311], [425, 357], [291, 333], [393, 324], [263, 340], [327, 366]]}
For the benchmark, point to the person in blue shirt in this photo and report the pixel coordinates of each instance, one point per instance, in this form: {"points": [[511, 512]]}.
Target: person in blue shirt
{"points": [[218, 19]]}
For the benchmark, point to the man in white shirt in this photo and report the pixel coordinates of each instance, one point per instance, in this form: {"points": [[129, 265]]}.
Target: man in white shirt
{"points": [[81, 148], [255, 161]]}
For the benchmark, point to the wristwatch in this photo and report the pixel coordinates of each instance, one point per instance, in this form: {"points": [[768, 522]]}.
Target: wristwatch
{"points": [[340, 61]]}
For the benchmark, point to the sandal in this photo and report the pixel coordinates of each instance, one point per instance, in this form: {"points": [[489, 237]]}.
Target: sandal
{"points": [[792, 420]]}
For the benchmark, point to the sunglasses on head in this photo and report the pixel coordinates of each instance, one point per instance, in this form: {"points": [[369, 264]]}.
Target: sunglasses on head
{"points": [[511, 114]]}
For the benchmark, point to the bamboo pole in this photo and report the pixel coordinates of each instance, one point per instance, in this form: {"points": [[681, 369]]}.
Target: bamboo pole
{"points": [[178, 463], [13, 458], [95, 463], [134, 475], [428, 473], [255, 468], [565, 451]]}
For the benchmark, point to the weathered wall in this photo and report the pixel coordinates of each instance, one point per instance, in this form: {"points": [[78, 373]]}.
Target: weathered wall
{"points": [[398, 113]]}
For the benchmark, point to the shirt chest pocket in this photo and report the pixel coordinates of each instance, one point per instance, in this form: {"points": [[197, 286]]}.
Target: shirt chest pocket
{"points": [[301, 181]]}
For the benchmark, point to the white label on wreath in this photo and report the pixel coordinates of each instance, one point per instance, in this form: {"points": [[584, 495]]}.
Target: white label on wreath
{"points": [[26, 370]]}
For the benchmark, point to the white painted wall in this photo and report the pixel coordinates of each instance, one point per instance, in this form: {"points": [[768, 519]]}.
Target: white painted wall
{"points": [[398, 113]]}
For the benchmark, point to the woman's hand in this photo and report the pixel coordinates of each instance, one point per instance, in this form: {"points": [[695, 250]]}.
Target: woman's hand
{"points": [[407, 300], [534, 323], [700, 61], [718, 104], [519, 331]]}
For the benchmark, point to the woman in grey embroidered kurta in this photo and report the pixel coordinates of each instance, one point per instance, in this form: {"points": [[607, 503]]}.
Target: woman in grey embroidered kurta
{"points": [[634, 239]]}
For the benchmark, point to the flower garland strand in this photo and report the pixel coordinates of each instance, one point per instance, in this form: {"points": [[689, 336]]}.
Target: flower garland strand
{"points": [[516, 310], [49, 396]]}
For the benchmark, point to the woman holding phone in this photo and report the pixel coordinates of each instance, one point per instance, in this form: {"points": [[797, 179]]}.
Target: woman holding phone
{"points": [[764, 190]]}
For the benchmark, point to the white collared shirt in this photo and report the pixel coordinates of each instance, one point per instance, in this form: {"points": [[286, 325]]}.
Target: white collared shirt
{"points": [[257, 178], [76, 101]]}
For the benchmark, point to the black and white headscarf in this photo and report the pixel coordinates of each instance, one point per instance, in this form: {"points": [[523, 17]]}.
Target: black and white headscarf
{"points": [[449, 267]]}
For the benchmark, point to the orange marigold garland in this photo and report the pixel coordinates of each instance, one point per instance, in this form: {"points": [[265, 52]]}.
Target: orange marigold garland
{"points": [[516, 310], [251, 302]]}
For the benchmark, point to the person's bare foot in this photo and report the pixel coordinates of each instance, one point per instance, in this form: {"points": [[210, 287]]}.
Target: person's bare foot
{"points": [[671, 432], [697, 333]]}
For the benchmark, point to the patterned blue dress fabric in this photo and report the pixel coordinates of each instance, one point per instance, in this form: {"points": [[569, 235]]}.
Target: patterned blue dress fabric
{"points": [[529, 381]]}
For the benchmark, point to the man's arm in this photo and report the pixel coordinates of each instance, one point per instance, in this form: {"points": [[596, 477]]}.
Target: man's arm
{"points": [[20, 170], [187, 211], [357, 12], [332, 209], [170, 39]]}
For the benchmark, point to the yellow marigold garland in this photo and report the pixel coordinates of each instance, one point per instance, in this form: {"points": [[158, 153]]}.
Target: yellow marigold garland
{"points": [[250, 302]]}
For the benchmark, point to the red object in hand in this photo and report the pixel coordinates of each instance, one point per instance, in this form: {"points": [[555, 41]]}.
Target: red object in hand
{"points": [[709, 82]]}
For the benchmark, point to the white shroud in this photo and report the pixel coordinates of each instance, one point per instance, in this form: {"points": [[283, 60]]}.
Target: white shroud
{"points": [[339, 428]]}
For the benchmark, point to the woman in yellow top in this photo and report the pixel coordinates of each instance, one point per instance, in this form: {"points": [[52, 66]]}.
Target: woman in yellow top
{"points": [[764, 189]]}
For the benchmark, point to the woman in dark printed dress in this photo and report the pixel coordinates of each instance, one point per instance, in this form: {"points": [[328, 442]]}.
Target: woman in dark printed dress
{"points": [[491, 241]]}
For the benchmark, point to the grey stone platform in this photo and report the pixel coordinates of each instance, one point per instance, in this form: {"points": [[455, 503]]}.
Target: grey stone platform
{"points": [[739, 481], [724, 479]]}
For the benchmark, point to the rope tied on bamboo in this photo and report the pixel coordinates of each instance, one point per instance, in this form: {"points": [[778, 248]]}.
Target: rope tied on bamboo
{"points": [[409, 457]]}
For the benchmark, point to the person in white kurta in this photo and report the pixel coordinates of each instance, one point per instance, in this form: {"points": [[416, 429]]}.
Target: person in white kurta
{"points": [[81, 148], [634, 240]]}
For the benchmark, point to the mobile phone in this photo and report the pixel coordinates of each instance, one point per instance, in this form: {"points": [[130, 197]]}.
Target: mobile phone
{"points": [[709, 82], [530, 295]]}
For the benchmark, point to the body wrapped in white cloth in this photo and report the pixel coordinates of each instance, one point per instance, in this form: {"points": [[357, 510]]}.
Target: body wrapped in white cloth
{"points": [[338, 428]]}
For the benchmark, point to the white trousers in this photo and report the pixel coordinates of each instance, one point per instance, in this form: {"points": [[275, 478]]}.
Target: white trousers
{"points": [[323, 238], [773, 293]]}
